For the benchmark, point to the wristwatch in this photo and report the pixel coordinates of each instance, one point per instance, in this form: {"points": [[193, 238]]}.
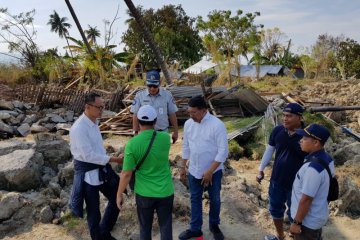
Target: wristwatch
{"points": [[297, 223]]}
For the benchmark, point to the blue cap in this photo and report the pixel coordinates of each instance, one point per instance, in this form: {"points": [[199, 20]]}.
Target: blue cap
{"points": [[294, 108], [153, 78], [315, 131]]}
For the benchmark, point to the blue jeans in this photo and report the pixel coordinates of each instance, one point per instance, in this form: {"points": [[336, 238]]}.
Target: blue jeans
{"points": [[146, 206], [196, 192], [278, 197]]}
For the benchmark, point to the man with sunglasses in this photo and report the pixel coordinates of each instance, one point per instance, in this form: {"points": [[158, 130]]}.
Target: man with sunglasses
{"points": [[159, 98], [93, 173]]}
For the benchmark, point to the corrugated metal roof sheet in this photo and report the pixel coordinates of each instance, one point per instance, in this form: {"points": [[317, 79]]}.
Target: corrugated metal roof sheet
{"points": [[200, 67], [250, 70]]}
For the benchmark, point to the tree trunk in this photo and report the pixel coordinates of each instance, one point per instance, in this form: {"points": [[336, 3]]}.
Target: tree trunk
{"points": [[238, 67], [67, 41], [148, 38], [229, 68], [79, 26]]}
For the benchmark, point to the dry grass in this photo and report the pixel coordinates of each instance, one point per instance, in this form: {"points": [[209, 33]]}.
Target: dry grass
{"points": [[12, 74]]}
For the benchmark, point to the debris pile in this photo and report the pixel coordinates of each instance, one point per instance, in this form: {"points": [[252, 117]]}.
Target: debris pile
{"points": [[342, 93]]}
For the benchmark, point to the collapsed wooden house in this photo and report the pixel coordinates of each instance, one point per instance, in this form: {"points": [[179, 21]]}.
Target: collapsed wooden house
{"points": [[234, 102]]}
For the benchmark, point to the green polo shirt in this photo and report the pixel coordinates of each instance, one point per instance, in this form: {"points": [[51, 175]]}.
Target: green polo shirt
{"points": [[153, 179]]}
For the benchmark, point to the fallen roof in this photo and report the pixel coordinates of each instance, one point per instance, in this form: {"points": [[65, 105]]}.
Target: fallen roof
{"points": [[250, 70], [200, 67]]}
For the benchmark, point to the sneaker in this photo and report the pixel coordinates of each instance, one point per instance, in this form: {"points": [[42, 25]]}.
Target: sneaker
{"points": [[272, 237], [218, 235], [190, 234]]}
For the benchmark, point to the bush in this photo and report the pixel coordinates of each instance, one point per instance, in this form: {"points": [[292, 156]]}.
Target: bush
{"points": [[319, 119], [235, 151]]}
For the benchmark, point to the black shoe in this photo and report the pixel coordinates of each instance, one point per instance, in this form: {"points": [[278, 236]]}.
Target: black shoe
{"points": [[218, 235], [107, 236], [190, 234]]}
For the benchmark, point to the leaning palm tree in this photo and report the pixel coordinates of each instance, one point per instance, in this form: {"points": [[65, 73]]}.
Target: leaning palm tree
{"points": [[92, 33], [76, 20], [149, 39], [60, 26]]}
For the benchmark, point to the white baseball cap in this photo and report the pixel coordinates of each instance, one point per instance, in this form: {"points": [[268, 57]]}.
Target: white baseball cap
{"points": [[147, 113]]}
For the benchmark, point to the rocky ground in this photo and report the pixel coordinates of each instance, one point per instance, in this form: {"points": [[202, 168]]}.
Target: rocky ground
{"points": [[244, 214], [42, 161]]}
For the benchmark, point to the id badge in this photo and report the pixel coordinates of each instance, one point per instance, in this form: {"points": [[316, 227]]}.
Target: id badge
{"points": [[161, 111]]}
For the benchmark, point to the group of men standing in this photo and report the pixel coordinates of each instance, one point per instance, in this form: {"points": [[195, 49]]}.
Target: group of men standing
{"points": [[298, 183], [204, 150]]}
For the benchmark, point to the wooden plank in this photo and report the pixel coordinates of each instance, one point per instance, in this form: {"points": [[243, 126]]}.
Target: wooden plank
{"points": [[118, 114], [72, 83]]}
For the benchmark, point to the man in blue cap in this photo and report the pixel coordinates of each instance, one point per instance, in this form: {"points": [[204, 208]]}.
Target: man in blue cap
{"points": [[159, 98], [289, 157], [309, 208]]}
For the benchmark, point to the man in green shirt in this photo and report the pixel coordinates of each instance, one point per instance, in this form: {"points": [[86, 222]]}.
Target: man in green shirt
{"points": [[153, 186]]}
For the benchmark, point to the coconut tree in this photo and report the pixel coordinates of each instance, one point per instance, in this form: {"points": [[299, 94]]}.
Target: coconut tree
{"points": [[92, 33], [60, 26], [76, 20]]}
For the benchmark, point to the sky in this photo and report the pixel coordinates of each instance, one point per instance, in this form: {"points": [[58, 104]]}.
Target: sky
{"points": [[301, 21]]}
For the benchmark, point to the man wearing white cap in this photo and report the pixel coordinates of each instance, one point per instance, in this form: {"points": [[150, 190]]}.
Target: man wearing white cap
{"points": [[159, 98], [153, 183]]}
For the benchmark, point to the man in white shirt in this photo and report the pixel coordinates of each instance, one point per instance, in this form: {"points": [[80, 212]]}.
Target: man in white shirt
{"points": [[93, 173], [205, 149]]}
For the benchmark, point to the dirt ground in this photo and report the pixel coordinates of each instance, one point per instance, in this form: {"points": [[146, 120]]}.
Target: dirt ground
{"points": [[242, 218]]}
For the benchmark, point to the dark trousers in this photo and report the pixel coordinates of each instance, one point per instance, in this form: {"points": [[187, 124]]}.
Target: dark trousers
{"points": [[196, 193], [100, 230], [308, 234], [145, 209]]}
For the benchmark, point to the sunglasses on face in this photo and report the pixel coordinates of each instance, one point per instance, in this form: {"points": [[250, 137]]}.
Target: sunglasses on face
{"points": [[152, 86], [98, 107]]}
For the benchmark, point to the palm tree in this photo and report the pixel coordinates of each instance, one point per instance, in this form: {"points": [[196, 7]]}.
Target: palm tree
{"points": [[92, 33], [76, 20], [60, 26], [149, 39]]}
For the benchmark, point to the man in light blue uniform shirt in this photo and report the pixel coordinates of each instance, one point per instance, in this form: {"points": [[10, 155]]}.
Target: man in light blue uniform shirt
{"points": [[160, 99], [309, 205]]}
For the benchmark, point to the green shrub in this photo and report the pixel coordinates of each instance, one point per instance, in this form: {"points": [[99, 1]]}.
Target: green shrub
{"points": [[235, 150], [319, 119]]}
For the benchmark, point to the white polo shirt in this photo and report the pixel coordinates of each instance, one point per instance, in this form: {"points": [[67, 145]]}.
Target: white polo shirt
{"points": [[204, 143]]}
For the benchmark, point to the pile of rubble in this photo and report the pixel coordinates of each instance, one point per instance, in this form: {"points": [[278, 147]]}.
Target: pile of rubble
{"points": [[21, 119], [341, 93]]}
